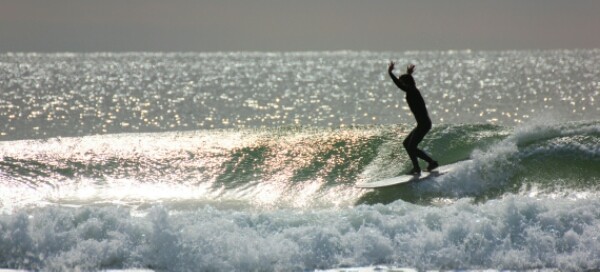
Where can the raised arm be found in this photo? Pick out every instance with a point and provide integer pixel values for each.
(396, 80)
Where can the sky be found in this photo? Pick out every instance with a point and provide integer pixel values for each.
(296, 25)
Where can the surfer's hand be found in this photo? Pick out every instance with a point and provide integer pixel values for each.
(391, 67)
(410, 69)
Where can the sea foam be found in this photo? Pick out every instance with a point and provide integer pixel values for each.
(513, 232)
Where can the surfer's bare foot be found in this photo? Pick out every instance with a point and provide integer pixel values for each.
(415, 171)
(432, 165)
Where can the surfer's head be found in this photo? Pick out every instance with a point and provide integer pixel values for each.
(408, 80)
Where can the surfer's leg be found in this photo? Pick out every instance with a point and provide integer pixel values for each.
(432, 165)
(419, 134)
(411, 149)
(422, 155)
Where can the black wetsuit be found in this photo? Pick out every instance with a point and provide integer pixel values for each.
(417, 106)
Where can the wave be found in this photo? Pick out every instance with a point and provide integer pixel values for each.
(307, 166)
(512, 233)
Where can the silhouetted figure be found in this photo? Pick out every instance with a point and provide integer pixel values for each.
(416, 104)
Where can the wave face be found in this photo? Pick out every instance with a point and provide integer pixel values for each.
(302, 166)
(249, 161)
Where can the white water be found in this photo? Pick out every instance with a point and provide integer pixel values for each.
(514, 232)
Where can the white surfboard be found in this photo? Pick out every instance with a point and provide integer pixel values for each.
(444, 169)
(379, 268)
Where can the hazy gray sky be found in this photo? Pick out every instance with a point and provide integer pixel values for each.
(296, 25)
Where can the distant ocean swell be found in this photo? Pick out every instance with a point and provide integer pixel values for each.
(65, 94)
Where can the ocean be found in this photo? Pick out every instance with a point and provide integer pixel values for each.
(248, 161)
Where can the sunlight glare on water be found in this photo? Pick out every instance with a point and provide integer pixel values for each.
(47, 95)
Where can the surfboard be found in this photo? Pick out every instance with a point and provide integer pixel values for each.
(379, 268)
(444, 169)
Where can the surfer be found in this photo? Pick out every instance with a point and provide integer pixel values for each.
(416, 104)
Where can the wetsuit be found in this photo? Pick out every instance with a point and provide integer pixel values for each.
(417, 106)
